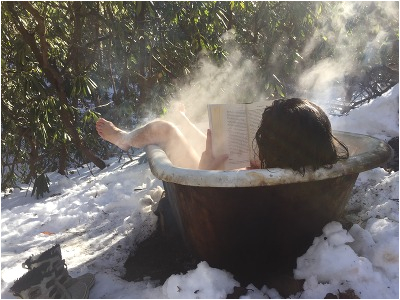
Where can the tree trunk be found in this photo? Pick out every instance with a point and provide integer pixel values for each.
(66, 118)
(52, 74)
(141, 18)
(33, 157)
(62, 163)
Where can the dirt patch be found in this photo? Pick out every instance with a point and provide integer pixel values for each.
(159, 257)
(164, 253)
(393, 163)
(348, 294)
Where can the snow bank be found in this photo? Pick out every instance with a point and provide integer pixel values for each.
(99, 216)
(378, 118)
(332, 264)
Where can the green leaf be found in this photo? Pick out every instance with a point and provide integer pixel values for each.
(279, 90)
(138, 7)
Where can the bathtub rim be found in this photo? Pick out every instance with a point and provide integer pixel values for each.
(377, 152)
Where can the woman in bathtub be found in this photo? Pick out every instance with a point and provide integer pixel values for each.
(294, 133)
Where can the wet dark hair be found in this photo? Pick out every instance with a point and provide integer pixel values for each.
(295, 133)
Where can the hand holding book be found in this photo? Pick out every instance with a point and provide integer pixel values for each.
(208, 161)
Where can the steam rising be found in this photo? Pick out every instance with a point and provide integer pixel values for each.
(353, 32)
(233, 82)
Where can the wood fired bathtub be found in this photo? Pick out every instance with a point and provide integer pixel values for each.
(253, 220)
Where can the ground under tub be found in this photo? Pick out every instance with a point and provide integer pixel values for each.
(250, 221)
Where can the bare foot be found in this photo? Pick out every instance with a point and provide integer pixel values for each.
(111, 133)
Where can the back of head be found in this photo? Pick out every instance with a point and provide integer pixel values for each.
(295, 133)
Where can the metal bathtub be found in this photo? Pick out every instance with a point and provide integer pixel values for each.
(251, 220)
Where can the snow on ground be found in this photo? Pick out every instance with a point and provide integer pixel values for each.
(97, 217)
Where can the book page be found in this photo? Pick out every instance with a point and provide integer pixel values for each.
(217, 120)
(230, 135)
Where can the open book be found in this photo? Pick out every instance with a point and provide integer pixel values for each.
(233, 128)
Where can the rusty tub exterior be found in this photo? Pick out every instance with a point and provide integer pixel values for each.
(252, 220)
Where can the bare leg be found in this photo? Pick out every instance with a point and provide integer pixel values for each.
(194, 135)
(161, 133)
